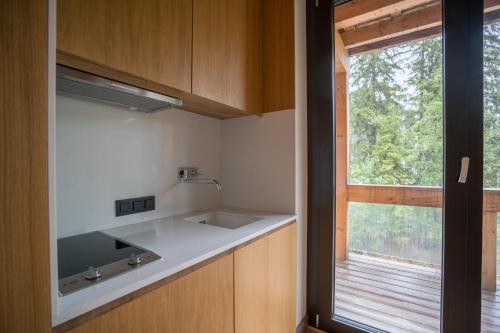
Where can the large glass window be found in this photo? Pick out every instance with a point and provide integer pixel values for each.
(389, 187)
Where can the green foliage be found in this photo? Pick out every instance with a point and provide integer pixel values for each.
(396, 138)
(492, 105)
(396, 127)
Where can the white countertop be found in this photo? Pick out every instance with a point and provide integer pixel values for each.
(180, 243)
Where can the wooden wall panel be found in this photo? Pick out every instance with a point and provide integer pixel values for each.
(265, 280)
(278, 80)
(200, 302)
(24, 241)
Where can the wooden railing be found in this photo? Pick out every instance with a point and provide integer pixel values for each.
(422, 197)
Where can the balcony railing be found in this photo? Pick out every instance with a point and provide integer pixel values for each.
(420, 197)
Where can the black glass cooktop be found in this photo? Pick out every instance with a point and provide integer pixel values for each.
(76, 254)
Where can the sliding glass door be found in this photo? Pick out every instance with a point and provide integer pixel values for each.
(395, 114)
(389, 174)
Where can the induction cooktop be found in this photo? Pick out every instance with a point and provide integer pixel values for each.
(87, 259)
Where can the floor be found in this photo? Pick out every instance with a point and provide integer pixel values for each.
(398, 297)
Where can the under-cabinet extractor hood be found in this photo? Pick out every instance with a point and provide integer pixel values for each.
(71, 82)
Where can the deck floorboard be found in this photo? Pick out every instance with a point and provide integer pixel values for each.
(398, 297)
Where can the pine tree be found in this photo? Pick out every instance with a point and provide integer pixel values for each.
(374, 120)
(492, 105)
(424, 135)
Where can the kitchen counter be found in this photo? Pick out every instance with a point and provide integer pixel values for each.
(181, 244)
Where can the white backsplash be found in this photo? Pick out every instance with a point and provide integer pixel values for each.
(258, 162)
(105, 153)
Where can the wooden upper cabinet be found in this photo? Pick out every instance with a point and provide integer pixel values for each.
(227, 57)
(151, 39)
(223, 58)
(278, 81)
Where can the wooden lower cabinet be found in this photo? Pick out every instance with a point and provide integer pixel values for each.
(264, 284)
(201, 301)
(249, 290)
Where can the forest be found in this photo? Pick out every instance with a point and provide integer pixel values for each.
(396, 138)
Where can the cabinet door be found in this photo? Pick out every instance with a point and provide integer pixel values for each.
(264, 284)
(151, 39)
(201, 301)
(227, 52)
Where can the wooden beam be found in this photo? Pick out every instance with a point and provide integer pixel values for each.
(359, 11)
(489, 16)
(422, 196)
(396, 195)
(341, 55)
(341, 93)
(489, 271)
(399, 40)
(399, 25)
(491, 201)
(491, 5)
(404, 28)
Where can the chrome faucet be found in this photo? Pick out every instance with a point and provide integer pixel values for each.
(190, 175)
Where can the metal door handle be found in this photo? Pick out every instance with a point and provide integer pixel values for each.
(464, 169)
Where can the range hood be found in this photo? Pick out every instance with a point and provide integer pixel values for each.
(74, 83)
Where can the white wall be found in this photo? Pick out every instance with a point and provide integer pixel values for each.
(301, 154)
(258, 162)
(105, 153)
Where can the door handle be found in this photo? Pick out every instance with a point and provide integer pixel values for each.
(464, 169)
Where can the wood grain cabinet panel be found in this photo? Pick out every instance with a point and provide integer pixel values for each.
(151, 39)
(200, 302)
(24, 224)
(227, 60)
(264, 284)
(278, 60)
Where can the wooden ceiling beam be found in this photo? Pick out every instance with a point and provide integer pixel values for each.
(341, 55)
(489, 16)
(360, 11)
(399, 40)
(406, 24)
(491, 5)
(396, 26)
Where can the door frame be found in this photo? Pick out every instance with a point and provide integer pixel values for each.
(463, 136)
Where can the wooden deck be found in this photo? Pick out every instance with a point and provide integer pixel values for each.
(398, 297)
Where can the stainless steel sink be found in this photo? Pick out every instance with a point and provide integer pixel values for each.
(223, 219)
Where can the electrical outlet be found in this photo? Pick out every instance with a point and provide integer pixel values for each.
(134, 205)
(187, 173)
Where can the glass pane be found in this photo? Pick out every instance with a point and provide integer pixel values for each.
(390, 231)
(491, 264)
(389, 158)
